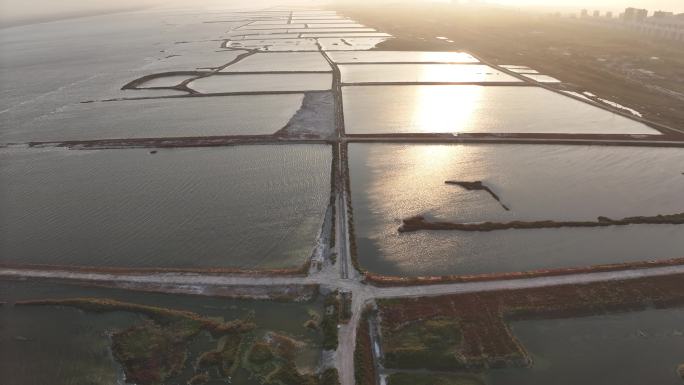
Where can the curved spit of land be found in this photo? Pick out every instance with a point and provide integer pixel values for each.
(419, 222)
(478, 186)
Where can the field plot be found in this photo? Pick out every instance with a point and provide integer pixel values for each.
(625, 332)
(238, 207)
(181, 117)
(422, 73)
(401, 57)
(101, 336)
(476, 109)
(393, 184)
(286, 61)
(261, 83)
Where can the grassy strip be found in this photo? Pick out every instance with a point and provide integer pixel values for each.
(433, 379)
(331, 318)
(330, 377)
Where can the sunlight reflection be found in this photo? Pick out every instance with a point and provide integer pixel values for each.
(412, 179)
(443, 109)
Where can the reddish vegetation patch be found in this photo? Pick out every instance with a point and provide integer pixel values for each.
(486, 339)
(418, 223)
(385, 280)
(364, 366)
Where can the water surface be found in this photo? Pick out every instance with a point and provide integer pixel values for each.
(427, 73)
(246, 207)
(285, 61)
(536, 182)
(401, 56)
(158, 118)
(262, 83)
(476, 109)
(618, 349)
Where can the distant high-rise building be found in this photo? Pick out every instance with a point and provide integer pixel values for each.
(609, 15)
(635, 14)
(662, 14)
(597, 13)
(584, 13)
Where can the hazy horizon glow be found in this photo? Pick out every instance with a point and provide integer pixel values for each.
(651, 5)
(13, 11)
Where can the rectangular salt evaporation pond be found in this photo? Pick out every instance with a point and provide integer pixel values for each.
(156, 118)
(285, 61)
(422, 73)
(619, 349)
(277, 45)
(347, 34)
(542, 78)
(239, 207)
(333, 25)
(262, 83)
(401, 56)
(350, 43)
(67, 345)
(476, 109)
(535, 182)
(274, 26)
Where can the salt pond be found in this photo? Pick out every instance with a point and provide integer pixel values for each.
(466, 108)
(285, 61)
(632, 348)
(393, 182)
(150, 118)
(236, 207)
(401, 56)
(425, 73)
(262, 83)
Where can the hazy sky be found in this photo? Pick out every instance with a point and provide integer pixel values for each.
(651, 5)
(17, 10)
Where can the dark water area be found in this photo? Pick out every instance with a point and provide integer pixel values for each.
(236, 207)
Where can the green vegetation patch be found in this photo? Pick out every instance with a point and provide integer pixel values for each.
(330, 377)
(331, 318)
(423, 344)
(272, 361)
(433, 379)
(156, 350)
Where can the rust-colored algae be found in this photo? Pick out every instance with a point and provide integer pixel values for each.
(418, 223)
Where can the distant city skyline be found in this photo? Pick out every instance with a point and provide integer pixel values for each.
(676, 6)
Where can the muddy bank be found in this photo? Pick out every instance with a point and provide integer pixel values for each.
(315, 117)
(418, 223)
(196, 141)
(485, 338)
(295, 272)
(288, 292)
